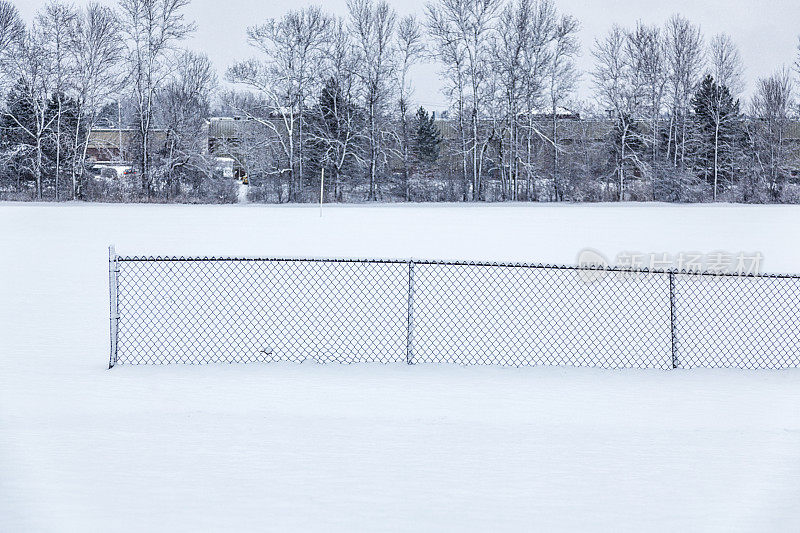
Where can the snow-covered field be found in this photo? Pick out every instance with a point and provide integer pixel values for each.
(366, 447)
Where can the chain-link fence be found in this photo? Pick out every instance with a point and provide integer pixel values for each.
(229, 310)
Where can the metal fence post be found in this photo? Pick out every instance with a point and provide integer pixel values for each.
(672, 317)
(113, 280)
(410, 321)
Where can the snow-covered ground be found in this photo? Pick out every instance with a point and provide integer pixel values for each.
(367, 447)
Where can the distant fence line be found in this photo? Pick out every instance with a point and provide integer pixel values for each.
(238, 310)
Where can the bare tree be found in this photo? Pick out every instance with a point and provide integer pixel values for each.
(257, 147)
(647, 51)
(183, 105)
(373, 25)
(619, 88)
(471, 23)
(797, 65)
(337, 126)
(797, 61)
(562, 76)
(410, 48)
(152, 30)
(56, 23)
(537, 74)
(270, 109)
(685, 60)
(725, 63)
(510, 54)
(772, 106)
(726, 69)
(96, 54)
(450, 52)
(28, 62)
(292, 47)
(11, 27)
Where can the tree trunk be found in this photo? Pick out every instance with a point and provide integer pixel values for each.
(300, 147)
(556, 188)
(653, 168)
(76, 154)
(82, 161)
(622, 164)
(404, 135)
(146, 187)
(39, 168)
(373, 155)
(475, 169)
(58, 144)
(716, 159)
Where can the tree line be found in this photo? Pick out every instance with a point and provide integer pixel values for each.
(330, 95)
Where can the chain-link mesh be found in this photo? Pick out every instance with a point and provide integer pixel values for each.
(517, 315)
(193, 310)
(737, 322)
(210, 311)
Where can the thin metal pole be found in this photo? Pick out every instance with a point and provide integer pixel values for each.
(113, 272)
(672, 318)
(410, 316)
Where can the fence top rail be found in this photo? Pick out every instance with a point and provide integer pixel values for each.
(540, 266)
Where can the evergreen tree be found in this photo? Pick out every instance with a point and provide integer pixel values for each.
(19, 115)
(16, 125)
(720, 130)
(334, 139)
(334, 108)
(427, 137)
(108, 116)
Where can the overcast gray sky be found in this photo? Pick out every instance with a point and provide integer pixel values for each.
(766, 32)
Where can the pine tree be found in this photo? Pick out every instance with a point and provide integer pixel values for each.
(720, 130)
(19, 115)
(16, 124)
(334, 139)
(427, 137)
